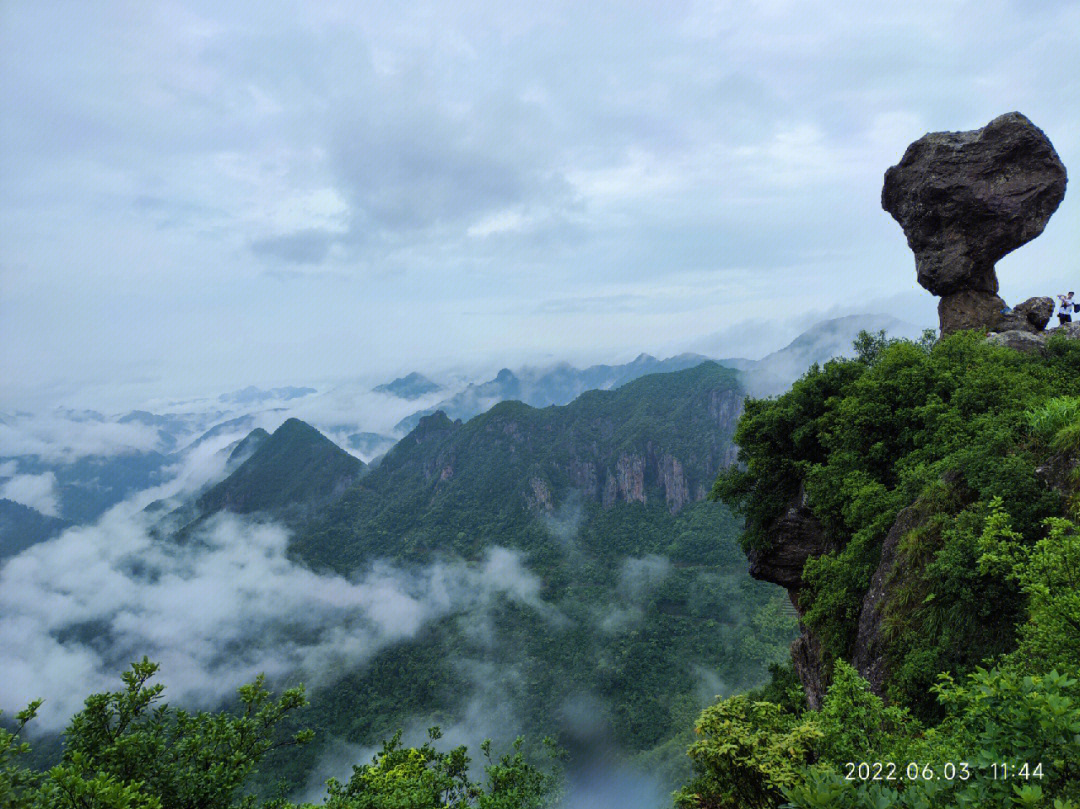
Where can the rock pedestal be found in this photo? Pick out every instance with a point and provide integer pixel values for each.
(964, 200)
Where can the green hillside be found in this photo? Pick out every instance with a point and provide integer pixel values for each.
(452, 487)
(597, 495)
(920, 502)
(292, 470)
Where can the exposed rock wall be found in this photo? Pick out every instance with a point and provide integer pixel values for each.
(793, 538)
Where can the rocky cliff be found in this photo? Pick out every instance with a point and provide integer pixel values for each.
(964, 200)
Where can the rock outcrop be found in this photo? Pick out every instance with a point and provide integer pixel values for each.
(1034, 313)
(964, 200)
(795, 536)
(1028, 342)
(869, 656)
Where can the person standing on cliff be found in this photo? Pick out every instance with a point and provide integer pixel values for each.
(1065, 308)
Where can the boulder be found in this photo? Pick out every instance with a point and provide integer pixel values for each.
(969, 309)
(964, 200)
(1035, 312)
(1023, 341)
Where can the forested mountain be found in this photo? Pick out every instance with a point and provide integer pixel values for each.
(557, 385)
(22, 526)
(617, 601)
(642, 605)
(918, 500)
(287, 473)
(658, 440)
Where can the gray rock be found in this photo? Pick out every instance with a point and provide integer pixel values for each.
(1023, 341)
(1028, 341)
(1031, 315)
(810, 668)
(965, 199)
(969, 309)
(869, 657)
(793, 537)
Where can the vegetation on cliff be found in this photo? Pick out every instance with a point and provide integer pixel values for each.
(129, 750)
(963, 455)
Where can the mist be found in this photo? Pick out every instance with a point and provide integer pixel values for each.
(215, 611)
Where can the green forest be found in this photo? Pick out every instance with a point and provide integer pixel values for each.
(957, 455)
(979, 634)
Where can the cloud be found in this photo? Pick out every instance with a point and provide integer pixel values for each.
(37, 491)
(66, 436)
(214, 611)
(637, 578)
(302, 247)
(440, 164)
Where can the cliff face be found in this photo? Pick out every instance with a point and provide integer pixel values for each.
(792, 539)
(658, 439)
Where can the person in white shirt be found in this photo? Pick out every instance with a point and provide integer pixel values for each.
(1066, 307)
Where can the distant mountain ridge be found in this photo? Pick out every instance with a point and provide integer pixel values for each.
(659, 439)
(412, 386)
(775, 372)
(558, 385)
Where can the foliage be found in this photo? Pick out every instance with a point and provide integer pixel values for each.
(1049, 575)
(646, 654)
(16, 780)
(1057, 423)
(425, 778)
(959, 452)
(128, 750)
(757, 755)
(946, 428)
(749, 752)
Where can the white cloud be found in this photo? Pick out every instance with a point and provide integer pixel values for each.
(164, 169)
(63, 436)
(37, 491)
(79, 608)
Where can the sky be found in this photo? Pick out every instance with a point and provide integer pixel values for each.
(195, 197)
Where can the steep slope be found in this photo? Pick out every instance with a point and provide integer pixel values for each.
(921, 505)
(658, 440)
(638, 603)
(296, 468)
(22, 526)
(247, 446)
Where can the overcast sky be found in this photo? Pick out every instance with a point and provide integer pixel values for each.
(199, 196)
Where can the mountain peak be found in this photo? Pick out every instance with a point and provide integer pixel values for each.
(294, 467)
(411, 386)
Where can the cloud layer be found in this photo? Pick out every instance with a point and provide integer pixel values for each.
(214, 611)
(200, 193)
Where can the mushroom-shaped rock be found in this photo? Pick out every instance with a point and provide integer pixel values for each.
(964, 200)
